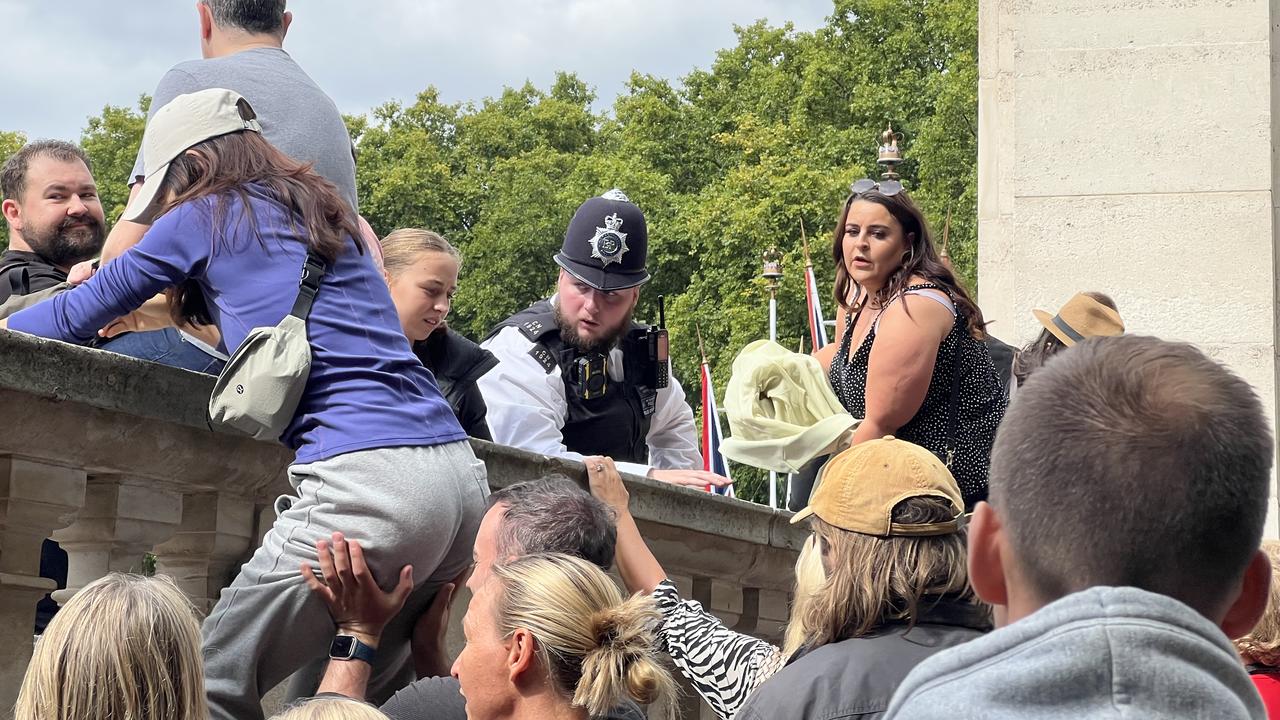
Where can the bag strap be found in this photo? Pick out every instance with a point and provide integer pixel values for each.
(312, 273)
(20, 281)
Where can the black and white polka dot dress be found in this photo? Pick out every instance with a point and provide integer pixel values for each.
(979, 409)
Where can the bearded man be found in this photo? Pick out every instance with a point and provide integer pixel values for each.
(54, 214)
(574, 374)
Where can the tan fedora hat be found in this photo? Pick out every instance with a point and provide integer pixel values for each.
(1082, 317)
(184, 122)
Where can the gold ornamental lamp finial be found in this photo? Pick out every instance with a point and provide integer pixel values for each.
(890, 154)
(772, 268)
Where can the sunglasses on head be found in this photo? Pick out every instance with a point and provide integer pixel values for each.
(888, 188)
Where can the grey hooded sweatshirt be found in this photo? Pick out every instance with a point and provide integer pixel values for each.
(1101, 653)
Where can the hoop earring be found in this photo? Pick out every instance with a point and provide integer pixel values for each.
(908, 260)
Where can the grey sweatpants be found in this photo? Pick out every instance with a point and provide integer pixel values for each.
(418, 506)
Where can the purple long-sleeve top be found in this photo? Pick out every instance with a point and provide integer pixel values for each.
(366, 390)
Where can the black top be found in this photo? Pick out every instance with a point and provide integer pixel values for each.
(22, 273)
(1002, 354)
(457, 363)
(980, 399)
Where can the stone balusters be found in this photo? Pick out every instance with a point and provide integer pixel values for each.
(123, 518)
(35, 499)
(215, 536)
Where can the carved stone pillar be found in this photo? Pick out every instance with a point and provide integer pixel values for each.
(35, 500)
(122, 519)
(203, 556)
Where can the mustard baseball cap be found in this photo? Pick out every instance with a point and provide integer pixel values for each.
(182, 123)
(858, 489)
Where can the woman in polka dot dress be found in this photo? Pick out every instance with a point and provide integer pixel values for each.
(910, 360)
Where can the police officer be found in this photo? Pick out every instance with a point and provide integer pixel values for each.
(576, 376)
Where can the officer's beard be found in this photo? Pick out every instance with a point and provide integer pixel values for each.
(603, 344)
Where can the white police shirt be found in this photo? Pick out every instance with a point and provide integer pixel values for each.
(527, 408)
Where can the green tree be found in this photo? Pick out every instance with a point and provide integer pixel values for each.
(112, 140)
(10, 143)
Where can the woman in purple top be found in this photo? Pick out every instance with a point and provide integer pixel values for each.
(379, 452)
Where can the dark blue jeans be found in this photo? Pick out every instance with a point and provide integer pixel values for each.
(166, 347)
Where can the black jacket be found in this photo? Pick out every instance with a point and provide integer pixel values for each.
(457, 364)
(855, 678)
(1002, 357)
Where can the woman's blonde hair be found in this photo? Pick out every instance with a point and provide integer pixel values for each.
(126, 646)
(595, 646)
(810, 577)
(870, 581)
(1262, 645)
(403, 246)
(330, 708)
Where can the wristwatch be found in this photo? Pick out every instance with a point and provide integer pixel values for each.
(348, 647)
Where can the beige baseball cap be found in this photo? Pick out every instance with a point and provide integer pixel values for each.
(858, 489)
(184, 122)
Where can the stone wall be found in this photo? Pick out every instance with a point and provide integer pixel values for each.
(1127, 146)
(112, 457)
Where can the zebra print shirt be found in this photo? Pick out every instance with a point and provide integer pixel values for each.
(724, 666)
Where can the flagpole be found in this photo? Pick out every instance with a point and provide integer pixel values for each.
(772, 273)
(708, 462)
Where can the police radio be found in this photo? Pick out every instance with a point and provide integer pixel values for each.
(660, 348)
(648, 350)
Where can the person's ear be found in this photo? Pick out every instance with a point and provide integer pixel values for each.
(521, 655)
(12, 213)
(206, 20)
(284, 25)
(1251, 602)
(986, 561)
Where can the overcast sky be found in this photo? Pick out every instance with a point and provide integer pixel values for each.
(66, 59)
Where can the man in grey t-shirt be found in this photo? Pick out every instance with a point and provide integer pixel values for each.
(241, 42)
(242, 47)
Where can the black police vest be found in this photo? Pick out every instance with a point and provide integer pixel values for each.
(614, 424)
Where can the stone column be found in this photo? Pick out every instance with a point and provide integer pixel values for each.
(35, 500)
(1129, 147)
(215, 536)
(123, 519)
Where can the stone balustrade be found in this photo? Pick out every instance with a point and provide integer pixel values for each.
(113, 458)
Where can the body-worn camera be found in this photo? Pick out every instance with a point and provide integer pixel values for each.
(592, 374)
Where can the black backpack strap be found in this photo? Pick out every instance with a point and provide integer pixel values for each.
(312, 273)
(19, 281)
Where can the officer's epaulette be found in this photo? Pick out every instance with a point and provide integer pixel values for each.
(532, 329)
(543, 356)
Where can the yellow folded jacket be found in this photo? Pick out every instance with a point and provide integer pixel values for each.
(782, 411)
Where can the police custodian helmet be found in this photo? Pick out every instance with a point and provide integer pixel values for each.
(607, 243)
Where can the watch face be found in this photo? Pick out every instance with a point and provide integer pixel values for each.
(343, 646)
